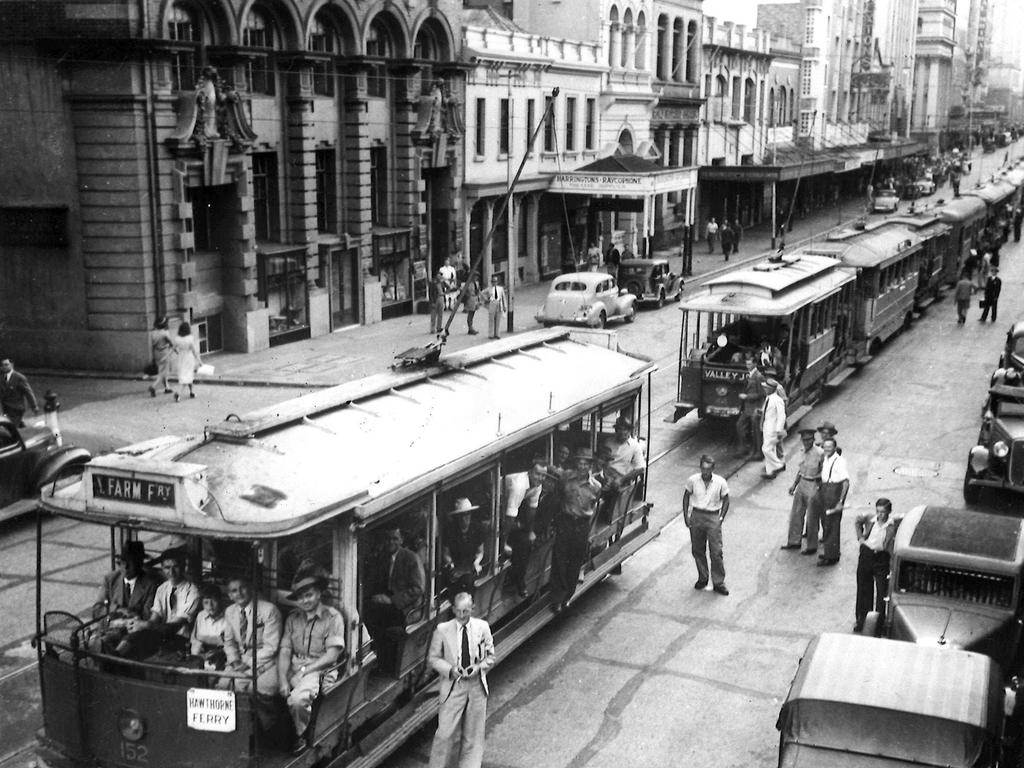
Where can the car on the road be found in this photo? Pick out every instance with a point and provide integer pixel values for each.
(886, 200)
(31, 458)
(586, 298)
(1013, 353)
(919, 188)
(865, 702)
(997, 458)
(652, 281)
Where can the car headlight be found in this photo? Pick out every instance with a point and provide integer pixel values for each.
(721, 391)
(1000, 449)
(585, 309)
(131, 725)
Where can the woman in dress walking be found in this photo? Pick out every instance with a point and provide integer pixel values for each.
(187, 347)
(162, 342)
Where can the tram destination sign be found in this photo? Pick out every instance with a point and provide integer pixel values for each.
(132, 490)
(210, 710)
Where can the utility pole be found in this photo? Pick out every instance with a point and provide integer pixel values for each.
(512, 240)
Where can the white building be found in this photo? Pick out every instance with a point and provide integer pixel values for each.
(933, 70)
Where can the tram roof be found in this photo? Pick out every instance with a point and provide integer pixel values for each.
(962, 208)
(877, 246)
(363, 445)
(993, 192)
(771, 288)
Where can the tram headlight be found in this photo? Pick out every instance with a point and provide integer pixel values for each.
(1000, 449)
(131, 725)
(721, 391)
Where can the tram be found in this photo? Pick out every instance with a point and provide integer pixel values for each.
(800, 303)
(966, 217)
(936, 239)
(325, 478)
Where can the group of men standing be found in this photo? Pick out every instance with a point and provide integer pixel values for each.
(451, 287)
(729, 235)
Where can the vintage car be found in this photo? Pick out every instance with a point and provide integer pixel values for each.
(1013, 353)
(652, 281)
(29, 459)
(997, 459)
(887, 200)
(586, 298)
(919, 188)
(865, 702)
(955, 582)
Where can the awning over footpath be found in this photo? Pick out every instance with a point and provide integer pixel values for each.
(789, 161)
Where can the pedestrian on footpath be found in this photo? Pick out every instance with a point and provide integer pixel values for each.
(496, 307)
(611, 263)
(835, 485)
(804, 514)
(709, 494)
(993, 287)
(15, 393)
(187, 348)
(435, 296)
(1018, 217)
(725, 233)
(461, 652)
(711, 234)
(162, 344)
(471, 301)
(875, 534)
(984, 267)
(737, 235)
(962, 294)
(773, 428)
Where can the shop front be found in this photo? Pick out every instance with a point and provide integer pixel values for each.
(402, 270)
(283, 288)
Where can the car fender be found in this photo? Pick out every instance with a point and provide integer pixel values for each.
(978, 459)
(54, 462)
(625, 303)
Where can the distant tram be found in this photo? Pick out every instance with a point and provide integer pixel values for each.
(322, 478)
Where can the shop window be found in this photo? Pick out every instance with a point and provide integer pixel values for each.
(265, 196)
(378, 185)
(570, 124)
(209, 331)
(392, 259)
(282, 285)
(322, 40)
(258, 33)
(326, 191)
(183, 27)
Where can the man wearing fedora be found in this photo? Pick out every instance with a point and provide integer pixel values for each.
(773, 428)
(580, 493)
(826, 429)
(463, 552)
(312, 642)
(461, 651)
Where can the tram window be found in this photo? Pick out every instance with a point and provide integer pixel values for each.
(569, 437)
(313, 545)
(467, 533)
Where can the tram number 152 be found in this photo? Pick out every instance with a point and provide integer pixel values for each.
(134, 753)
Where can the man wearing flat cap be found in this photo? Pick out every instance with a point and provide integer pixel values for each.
(806, 511)
(773, 428)
(312, 642)
(580, 493)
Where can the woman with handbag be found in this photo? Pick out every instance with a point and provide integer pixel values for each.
(187, 347)
(162, 344)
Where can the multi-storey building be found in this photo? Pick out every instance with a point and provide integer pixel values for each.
(894, 44)
(267, 170)
(933, 71)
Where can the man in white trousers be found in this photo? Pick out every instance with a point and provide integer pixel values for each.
(773, 428)
(497, 306)
(461, 652)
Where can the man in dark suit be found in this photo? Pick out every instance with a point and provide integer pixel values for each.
(396, 585)
(129, 592)
(15, 393)
(993, 287)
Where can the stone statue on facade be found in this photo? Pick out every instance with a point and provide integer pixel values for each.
(438, 120)
(212, 111)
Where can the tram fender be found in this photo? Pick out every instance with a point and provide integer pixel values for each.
(50, 466)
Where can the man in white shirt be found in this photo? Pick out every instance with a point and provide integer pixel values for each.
(875, 532)
(497, 306)
(627, 460)
(835, 484)
(709, 494)
(170, 619)
(773, 428)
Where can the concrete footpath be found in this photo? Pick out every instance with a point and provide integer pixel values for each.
(364, 350)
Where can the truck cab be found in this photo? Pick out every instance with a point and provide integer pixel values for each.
(997, 459)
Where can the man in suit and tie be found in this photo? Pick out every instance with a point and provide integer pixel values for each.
(497, 306)
(396, 587)
(250, 620)
(16, 394)
(461, 652)
(127, 595)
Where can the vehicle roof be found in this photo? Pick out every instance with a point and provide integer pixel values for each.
(366, 444)
(962, 536)
(994, 191)
(642, 262)
(771, 288)
(877, 246)
(897, 676)
(589, 279)
(962, 208)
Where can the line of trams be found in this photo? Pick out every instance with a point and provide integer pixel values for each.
(324, 477)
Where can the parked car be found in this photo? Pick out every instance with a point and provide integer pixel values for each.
(1013, 353)
(887, 200)
(997, 459)
(652, 281)
(586, 298)
(29, 459)
(865, 702)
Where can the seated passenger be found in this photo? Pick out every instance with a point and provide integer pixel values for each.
(463, 555)
(207, 639)
(395, 583)
(127, 594)
(251, 623)
(311, 646)
(169, 625)
(769, 358)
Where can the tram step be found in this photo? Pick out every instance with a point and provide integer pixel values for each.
(399, 727)
(863, 360)
(794, 418)
(839, 378)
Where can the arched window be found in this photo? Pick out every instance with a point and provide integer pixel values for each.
(749, 101)
(614, 37)
(782, 106)
(431, 45)
(692, 52)
(260, 34)
(626, 143)
(183, 26)
(379, 45)
(628, 39)
(662, 54)
(323, 39)
(678, 51)
(721, 95)
(640, 60)
(771, 108)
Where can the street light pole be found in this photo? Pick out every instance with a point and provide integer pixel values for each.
(510, 239)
